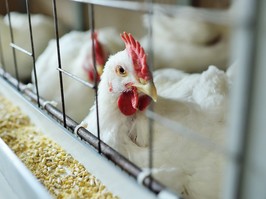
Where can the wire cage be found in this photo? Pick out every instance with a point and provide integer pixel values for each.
(244, 174)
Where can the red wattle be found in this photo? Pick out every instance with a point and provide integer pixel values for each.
(129, 102)
(144, 102)
(126, 103)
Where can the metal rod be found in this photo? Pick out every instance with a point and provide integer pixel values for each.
(150, 62)
(245, 48)
(253, 177)
(12, 41)
(59, 61)
(189, 134)
(1, 54)
(33, 53)
(210, 15)
(82, 16)
(77, 78)
(20, 49)
(92, 25)
(129, 5)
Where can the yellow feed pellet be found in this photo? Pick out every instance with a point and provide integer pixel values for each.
(58, 171)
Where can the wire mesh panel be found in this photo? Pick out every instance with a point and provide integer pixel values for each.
(180, 56)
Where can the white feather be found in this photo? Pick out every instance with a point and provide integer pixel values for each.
(208, 89)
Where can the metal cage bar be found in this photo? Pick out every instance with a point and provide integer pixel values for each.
(92, 26)
(1, 54)
(209, 15)
(150, 62)
(59, 61)
(33, 53)
(247, 131)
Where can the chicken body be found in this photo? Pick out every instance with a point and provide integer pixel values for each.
(43, 31)
(187, 43)
(76, 58)
(209, 89)
(182, 164)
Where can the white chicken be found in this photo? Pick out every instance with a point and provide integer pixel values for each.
(209, 89)
(187, 43)
(43, 31)
(125, 91)
(76, 58)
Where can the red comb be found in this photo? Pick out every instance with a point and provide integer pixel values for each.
(99, 53)
(137, 53)
(100, 58)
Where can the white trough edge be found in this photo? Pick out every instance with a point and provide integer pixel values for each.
(117, 181)
(20, 179)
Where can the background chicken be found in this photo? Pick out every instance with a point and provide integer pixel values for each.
(209, 89)
(76, 58)
(125, 91)
(187, 42)
(43, 31)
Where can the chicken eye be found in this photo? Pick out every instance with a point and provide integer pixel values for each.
(121, 71)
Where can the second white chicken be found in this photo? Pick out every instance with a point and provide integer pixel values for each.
(186, 42)
(77, 59)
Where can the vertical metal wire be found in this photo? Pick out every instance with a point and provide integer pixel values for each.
(2, 55)
(82, 16)
(33, 53)
(253, 178)
(92, 25)
(150, 61)
(59, 62)
(244, 50)
(12, 41)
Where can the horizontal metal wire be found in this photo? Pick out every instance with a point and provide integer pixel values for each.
(76, 78)
(128, 5)
(20, 49)
(210, 15)
(176, 127)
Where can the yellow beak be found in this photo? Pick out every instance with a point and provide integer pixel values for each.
(99, 69)
(147, 88)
